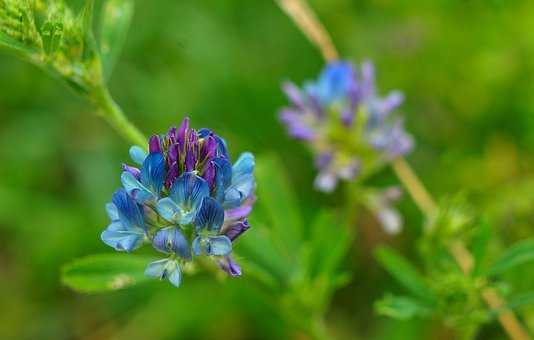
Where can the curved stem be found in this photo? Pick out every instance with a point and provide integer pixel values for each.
(308, 23)
(113, 114)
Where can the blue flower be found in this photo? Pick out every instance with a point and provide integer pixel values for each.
(170, 240)
(127, 229)
(152, 177)
(185, 198)
(208, 224)
(165, 269)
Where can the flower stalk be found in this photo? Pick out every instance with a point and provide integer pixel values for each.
(306, 20)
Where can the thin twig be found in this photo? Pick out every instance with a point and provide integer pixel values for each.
(303, 16)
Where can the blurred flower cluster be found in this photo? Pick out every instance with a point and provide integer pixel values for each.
(350, 129)
(186, 199)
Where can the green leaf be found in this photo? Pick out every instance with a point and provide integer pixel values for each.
(278, 201)
(105, 272)
(404, 272)
(401, 307)
(330, 241)
(516, 255)
(258, 247)
(480, 245)
(116, 18)
(520, 301)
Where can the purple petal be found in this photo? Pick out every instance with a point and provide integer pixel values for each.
(154, 144)
(172, 135)
(172, 174)
(209, 174)
(209, 148)
(133, 170)
(182, 131)
(293, 93)
(230, 266)
(323, 160)
(235, 230)
(238, 213)
(174, 153)
(295, 123)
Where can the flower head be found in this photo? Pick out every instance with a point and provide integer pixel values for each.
(349, 128)
(186, 198)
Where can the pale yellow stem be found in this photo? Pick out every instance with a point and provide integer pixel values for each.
(304, 17)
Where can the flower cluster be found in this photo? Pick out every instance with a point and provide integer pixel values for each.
(350, 129)
(186, 199)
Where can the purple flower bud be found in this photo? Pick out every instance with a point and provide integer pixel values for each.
(133, 170)
(230, 266)
(191, 158)
(209, 148)
(154, 144)
(209, 174)
(172, 135)
(174, 153)
(182, 131)
(172, 174)
(235, 230)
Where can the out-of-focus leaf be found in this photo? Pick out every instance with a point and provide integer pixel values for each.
(277, 199)
(404, 272)
(105, 272)
(116, 18)
(330, 240)
(257, 246)
(516, 255)
(401, 307)
(480, 245)
(519, 301)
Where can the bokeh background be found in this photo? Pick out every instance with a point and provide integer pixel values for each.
(466, 68)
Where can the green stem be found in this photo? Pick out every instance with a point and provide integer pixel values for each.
(113, 114)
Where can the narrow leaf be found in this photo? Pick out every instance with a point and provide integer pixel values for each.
(116, 18)
(514, 256)
(480, 245)
(404, 272)
(277, 200)
(330, 240)
(105, 272)
(401, 307)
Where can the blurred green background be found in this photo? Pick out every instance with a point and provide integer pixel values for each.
(466, 68)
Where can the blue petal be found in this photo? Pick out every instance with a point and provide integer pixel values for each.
(334, 82)
(112, 211)
(210, 216)
(165, 269)
(171, 241)
(198, 246)
(156, 269)
(244, 165)
(223, 177)
(188, 192)
(169, 210)
(121, 238)
(129, 213)
(175, 277)
(243, 182)
(219, 245)
(137, 154)
(153, 172)
(135, 188)
(222, 150)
